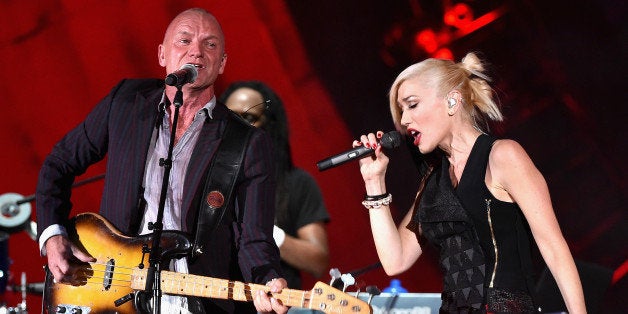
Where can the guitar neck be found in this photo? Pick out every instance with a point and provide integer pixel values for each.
(200, 286)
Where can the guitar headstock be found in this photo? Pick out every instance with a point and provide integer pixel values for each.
(328, 299)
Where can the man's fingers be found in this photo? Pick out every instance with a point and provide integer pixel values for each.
(262, 303)
(82, 256)
(59, 267)
(56, 273)
(277, 284)
(278, 307)
(60, 273)
(65, 260)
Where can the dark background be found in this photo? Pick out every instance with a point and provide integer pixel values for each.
(558, 68)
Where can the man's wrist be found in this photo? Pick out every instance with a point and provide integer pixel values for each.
(48, 233)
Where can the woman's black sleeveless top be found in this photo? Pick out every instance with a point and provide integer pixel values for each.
(464, 224)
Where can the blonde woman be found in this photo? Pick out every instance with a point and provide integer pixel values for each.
(480, 197)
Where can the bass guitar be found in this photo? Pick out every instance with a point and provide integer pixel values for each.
(102, 286)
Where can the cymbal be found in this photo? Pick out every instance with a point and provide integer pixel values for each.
(15, 214)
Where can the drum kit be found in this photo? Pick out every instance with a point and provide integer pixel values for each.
(15, 213)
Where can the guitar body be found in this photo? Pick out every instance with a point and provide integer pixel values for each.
(108, 279)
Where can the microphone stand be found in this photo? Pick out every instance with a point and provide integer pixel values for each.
(154, 269)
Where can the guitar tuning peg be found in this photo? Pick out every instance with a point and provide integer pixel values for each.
(372, 291)
(347, 280)
(359, 285)
(335, 274)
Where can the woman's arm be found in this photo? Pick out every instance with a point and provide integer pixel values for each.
(397, 247)
(514, 172)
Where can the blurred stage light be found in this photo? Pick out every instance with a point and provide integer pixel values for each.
(458, 15)
(422, 36)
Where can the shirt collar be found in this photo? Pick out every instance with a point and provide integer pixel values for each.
(207, 110)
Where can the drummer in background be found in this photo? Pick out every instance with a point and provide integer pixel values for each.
(301, 215)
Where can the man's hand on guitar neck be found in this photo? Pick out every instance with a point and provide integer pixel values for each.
(65, 259)
(266, 304)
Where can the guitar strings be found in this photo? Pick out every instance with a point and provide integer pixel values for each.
(210, 290)
(230, 285)
(233, 289)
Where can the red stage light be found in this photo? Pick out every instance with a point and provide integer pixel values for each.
(443, 53)
(427, 40)
(459, 16)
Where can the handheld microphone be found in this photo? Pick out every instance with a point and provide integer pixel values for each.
(186, 74)
(389, 140)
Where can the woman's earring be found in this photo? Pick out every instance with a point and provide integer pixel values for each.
(452, 102)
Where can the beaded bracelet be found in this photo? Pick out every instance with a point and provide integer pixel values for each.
(372, 204)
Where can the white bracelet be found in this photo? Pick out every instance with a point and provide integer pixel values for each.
(378, 203)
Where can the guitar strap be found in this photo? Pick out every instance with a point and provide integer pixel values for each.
(221, 177)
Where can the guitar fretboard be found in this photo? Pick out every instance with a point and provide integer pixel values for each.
(200, 286)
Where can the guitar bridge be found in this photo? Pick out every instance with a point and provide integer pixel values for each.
(108, 277)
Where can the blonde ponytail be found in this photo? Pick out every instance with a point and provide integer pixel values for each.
(481, 93)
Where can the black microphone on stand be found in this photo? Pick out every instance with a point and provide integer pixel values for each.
(389, 140)
(186, 74)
